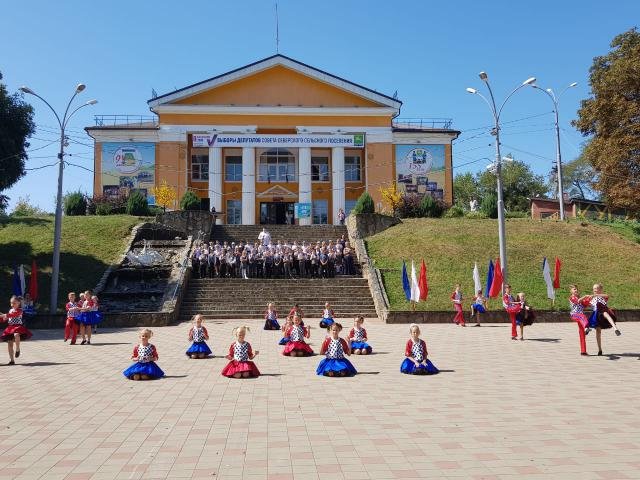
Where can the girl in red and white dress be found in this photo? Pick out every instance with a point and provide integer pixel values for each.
(576, 305)
(144, 356)
(296, 346)
(89, 316)
(358, 338)
(416, 361)
(478, 306)
(240, 356)
(525, 316)
(328, 316)
(15, 330)
(456, 298)
(198, 335)
(513, 307)
(271, 318)
(71, 325)
(335, 348)
(602, 316)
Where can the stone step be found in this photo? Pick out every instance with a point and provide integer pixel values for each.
(284, 307)
(346, 317)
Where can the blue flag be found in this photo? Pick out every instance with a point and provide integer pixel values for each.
(489, 278)
(406, 286)
(17, 290)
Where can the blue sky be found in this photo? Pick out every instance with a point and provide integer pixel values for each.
(428, 51)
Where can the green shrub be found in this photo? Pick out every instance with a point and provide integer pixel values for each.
(454, 212)
(137, 204)
(517, 214)
(74, 204)
(430, 207)
(24, 208)
(489, 205)
(476, 214)
(364, 204)
(104, 209)
(190, 201)
(103, 205)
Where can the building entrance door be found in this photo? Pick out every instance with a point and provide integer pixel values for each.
(276, 213)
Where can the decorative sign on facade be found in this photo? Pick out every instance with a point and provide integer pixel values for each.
(303, 210)
(277, 141)
(420, 169)
(127, 167)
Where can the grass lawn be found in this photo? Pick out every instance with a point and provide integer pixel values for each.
(590, 253)
(89, 245)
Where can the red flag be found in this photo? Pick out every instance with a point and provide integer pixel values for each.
(496, 284)
(422, 282)
(33, 281)
(556, 274)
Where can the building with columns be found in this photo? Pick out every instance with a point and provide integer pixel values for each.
(276, 141)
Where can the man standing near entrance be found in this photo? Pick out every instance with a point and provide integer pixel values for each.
(265, 237)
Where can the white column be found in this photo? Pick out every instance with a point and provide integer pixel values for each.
(248, 186)
(215, 180)
(337, 181)
(304, 179)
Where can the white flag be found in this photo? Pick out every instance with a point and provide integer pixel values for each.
(415, 288)
(477, 284)
(22, 283)
(546, 273)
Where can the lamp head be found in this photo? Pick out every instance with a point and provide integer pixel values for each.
(92, 102)
(483, 76)
(573, 84)
(25, 89)
(472, 90)
(529, 81)
(80, 87)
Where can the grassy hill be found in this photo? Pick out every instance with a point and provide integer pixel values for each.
(89, 245)
(590, 253)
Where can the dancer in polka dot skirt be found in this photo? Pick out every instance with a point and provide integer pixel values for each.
(271, 318)
(240, 356)
(358, 338)
(198, 335)
(335, 348)
(145, 356)
(416, 362)
(576, 305)
(512, 307)
(15, 331)
(297, 347)
(328, 316)
(602, 317)
(288, 323)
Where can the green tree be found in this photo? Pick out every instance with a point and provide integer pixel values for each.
(364, 204)
(519, 184)
(579, 178)
(465, 189)
(611, 117)
(16, 125)
(137, 204)
(190, 201)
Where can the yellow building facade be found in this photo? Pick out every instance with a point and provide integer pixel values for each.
(276, 141)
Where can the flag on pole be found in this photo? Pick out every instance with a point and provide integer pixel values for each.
(16, 282)
(23, 285)
(422, 282)
(405, 282)
(546, 273)
(489, 278)
(477, 284)
(33, 281)
(496, 284)
(415, 288)
(556, 274)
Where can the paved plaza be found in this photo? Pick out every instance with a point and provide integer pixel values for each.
(500, 409)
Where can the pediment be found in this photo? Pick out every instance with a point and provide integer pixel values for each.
(277, 191)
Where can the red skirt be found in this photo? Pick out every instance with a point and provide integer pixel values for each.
(297, 347)
(8, 333)
(234, 366)
(513, 309)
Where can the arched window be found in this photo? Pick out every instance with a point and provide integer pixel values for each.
(277, 165)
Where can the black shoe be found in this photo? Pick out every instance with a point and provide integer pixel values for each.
(599, 352)
(587, 330)
(585, 354)
(83, 342)
(88, 342)
(17, 353)
(11, 363)
(618, 332)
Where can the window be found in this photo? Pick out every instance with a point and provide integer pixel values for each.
(199, 167)
(234, 212)
(320, 212)
(319, 169)
(352, 168)
(277, 165)
(348, 206)
(233, 169)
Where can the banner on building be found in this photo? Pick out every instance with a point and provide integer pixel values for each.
(420, 169)
(277, 141)
(127, 167)
(302, 210)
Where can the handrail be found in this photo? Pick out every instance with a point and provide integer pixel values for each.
(423, 123)
(125, 120)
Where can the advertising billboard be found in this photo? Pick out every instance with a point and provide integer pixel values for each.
(420, 169)
(127, 167)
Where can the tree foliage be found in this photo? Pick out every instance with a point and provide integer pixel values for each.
(364, 204)
(579, 178)
(74, 203)
(137, 204)
(391, 197)
(16, 126)
(611, 117)
(190, 201)
(165, 195)
(465, 189)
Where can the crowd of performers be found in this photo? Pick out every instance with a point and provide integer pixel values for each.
(83, 315)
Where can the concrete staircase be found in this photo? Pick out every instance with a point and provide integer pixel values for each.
(299, 233)
(226, 298)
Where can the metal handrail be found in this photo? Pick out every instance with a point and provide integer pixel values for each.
(125, 119)
(435, 122)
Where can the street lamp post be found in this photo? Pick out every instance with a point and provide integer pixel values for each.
(55, 271)
(498, 163)
(555, 101)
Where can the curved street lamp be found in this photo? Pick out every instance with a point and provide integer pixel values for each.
(556, 99)
(55, 264)
(498, 162)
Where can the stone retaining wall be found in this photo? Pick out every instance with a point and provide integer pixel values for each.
(190, 222)
(364, 225)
